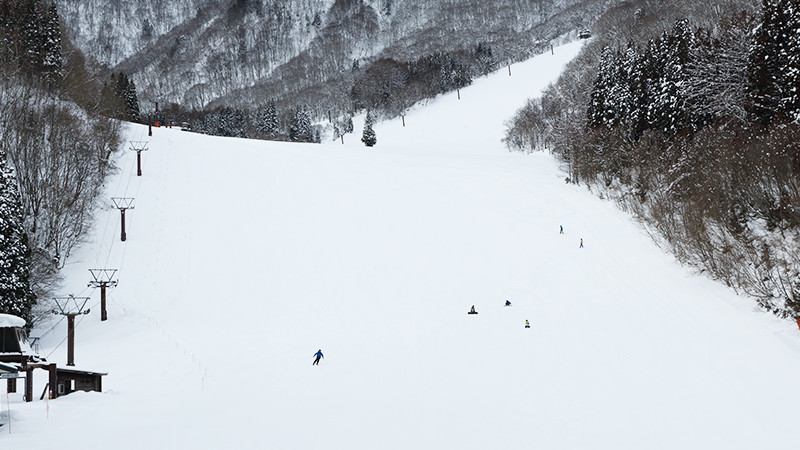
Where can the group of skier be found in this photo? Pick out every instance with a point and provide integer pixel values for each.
(472, 310)
(508, 303)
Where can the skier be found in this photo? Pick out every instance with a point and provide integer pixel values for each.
(508, 303)
(581, 243)
(527, 324)
(318, 355)
(562, 229)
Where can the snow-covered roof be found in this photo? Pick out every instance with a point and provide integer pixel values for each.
(7, 321)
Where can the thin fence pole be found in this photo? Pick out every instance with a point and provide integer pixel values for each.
(8, 406)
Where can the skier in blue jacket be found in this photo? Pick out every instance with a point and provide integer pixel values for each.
(318, 355)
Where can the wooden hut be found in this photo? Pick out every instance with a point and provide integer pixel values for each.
(71, 380)
(17, 358)
(14, 346)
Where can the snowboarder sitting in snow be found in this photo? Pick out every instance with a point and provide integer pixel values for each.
(318, 355)
(472, 310)
(527, 324)
(508, 303)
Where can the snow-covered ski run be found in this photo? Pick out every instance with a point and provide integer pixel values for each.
(244, 257)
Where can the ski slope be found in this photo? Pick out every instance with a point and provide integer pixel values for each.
(243, 258)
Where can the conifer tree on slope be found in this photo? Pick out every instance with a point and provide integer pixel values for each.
(132, 102)
(774, 66)
(609, 96)
(16, 296)
(30, 37)
(126, 90)
(667, 109)
(51, 56)
(368, 138)
(300, 129)
(790, 102)
(268, 120)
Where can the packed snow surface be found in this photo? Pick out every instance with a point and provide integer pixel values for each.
(243, 258)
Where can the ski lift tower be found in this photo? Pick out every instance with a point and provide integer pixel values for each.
(103, 278)
(123, 204)
(71, 306)
(139, 147)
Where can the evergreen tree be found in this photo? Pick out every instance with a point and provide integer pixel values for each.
(31, 37)
(368, 138)
(641, 79)
(300, 129)
(667, 109)
(127, 103)
(51, 58)
(268, 120)
(452, 75)
(484, 59)
(7, 55)
(16, 296)
(225, 121)
(348, 124)
(790, 73)
(774, 63)
(131, 102)
(609, 97)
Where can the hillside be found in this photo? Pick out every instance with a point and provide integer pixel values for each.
(244, 257)
(245, 52)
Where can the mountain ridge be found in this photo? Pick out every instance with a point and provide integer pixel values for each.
(202, 52)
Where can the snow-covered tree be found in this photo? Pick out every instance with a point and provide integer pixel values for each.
(789, 103)
(348, 124)
(131, 101)
(6, 37)
(715, 85)
(368, 138)
(51, 58)
(774, 64)
(225, 122)
(119, 98)
(484, 58)
(300, 128)
(641, 77)
(667, 110)
(267, 122)
(16, 296)
(30, 37)
(610, 101)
